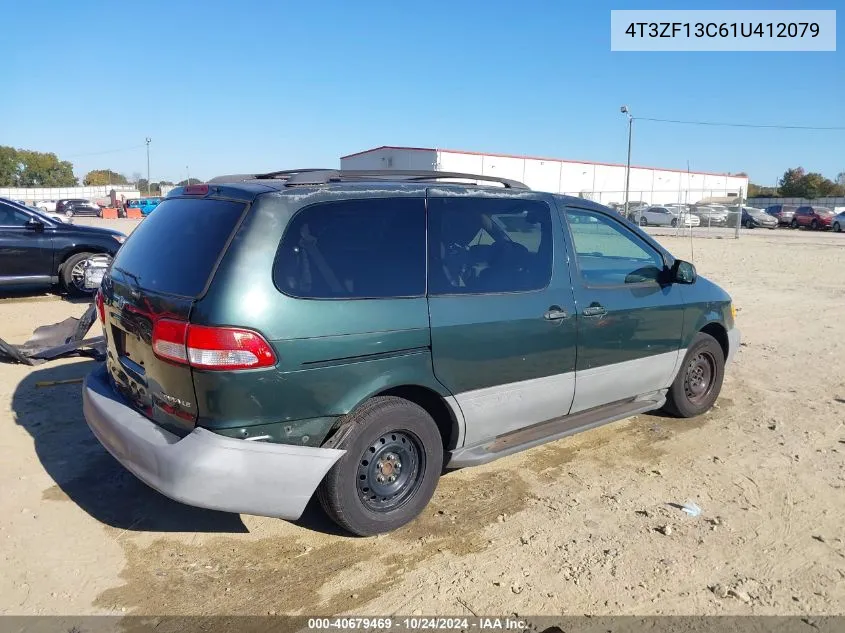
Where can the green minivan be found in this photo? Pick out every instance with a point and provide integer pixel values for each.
(357, 333)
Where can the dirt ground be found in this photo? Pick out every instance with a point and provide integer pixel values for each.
(583, 525)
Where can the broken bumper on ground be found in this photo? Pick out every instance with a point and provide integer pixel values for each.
(205, 469)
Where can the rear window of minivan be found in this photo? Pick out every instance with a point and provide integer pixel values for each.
(175, 249)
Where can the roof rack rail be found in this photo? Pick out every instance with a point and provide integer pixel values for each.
(323, 176)
(272, 174)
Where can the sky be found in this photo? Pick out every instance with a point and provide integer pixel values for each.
(234, 87)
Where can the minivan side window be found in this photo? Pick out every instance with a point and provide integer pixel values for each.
(608, 254)
(489, 245)
(370, 248)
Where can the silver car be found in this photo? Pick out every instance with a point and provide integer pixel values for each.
(712, 214)
(838, 222)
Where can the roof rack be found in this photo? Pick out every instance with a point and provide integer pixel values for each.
(325, 176)
(272, 174)
(318, 177)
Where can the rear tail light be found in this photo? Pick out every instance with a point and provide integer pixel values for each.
(196, 190)
(101, 306)
(169, 338)
(214, 348)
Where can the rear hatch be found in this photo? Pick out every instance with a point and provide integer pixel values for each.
(146, 301)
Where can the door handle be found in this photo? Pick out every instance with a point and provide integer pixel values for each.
(555, 313)
(594, 310)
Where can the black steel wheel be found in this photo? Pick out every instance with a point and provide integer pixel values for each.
(814, 225)
(389, 470)
(393, 461)
(699, 381)
(699, 376)
(794, 223)
(674, 222)
(837, 227)
(643, 221)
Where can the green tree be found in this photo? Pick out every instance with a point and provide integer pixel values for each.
(791, 184)
(840, 179)
(27, 168)
(97, 177)
(10, 167)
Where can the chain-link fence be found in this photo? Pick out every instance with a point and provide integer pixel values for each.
(700, 212)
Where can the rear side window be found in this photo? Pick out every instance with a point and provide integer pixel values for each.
(175, 249)
(489, 245)
(354, 249)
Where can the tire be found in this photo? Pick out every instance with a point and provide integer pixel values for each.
(69, 213)
(837, 227)
(393, 431)
(71, 281)
(749, 224)
(794, 224)
(674, 222)
(814, 225)
(643, 221)
(699, 380)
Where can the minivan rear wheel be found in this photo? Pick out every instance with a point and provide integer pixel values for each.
(699, 380)
(393, 460)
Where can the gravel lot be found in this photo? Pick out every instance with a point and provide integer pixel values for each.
(583, 525)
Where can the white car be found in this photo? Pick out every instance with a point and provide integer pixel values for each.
(46, 205)
(664, 216)
(53, 216)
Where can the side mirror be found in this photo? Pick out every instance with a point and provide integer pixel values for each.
(34, 225)
(683, 272)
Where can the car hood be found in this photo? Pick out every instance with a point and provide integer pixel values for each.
(759, 215)
(88, 230)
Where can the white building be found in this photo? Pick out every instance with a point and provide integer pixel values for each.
(602, 182)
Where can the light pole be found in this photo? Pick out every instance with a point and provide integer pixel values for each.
(188, 171)
(624, 110)
(148, 164)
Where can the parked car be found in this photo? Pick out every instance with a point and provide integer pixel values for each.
(753, 218)
(81, 207)
(53, 216)
(144, 205)
(712, 214)
(837, 223)
(231, 384)
(664, 216)
(36, 250)
(812, 217)
(46, 205)
(782, 212)
(62, 206)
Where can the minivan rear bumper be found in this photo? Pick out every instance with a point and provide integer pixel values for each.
(205, 469)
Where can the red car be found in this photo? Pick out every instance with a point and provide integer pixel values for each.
(812, 217)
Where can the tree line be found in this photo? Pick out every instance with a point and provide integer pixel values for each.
(797, 183)
(28, 168)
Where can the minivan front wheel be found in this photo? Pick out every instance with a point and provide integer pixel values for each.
(699, 380)
(393, 460)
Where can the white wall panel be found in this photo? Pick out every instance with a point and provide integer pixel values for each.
(542, 175)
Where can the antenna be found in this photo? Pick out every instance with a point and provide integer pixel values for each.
(691, 243)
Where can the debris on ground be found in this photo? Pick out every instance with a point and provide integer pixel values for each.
(49, 342)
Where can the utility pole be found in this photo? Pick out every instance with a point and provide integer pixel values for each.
(148, 165)
(188, 171)
(624, 110)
